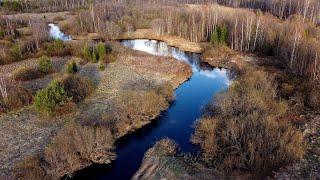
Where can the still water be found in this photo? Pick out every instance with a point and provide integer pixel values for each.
(175, 123)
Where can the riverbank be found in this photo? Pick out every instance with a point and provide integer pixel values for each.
(32, 133)
(298, 115)
(176, 122)
(174, 41)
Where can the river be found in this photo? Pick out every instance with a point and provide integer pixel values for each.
(176, 123)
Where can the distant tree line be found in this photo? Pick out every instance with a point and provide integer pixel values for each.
(294, 40)
(44, 5)
(308, 9)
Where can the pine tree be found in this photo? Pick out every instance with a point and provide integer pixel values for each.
(101, 49)
(86, 52)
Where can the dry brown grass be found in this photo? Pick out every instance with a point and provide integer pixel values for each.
(135, 108)
(246, 129)
(27, 74)
(57, 48)
(169, 68)
(166, 147)
(218, 55)
(76, 147)
(311, 94)
(298, 90)
(31, 169)
(17, 97)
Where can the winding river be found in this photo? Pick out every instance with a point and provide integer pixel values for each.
(175, 123)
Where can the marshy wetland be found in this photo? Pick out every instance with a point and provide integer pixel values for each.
(176, 122)
(179, 89)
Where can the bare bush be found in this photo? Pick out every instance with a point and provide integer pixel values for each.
(246, 129)
(166, 147)
(311, 94)
(134, 108)
(57, 48)
(30, 168)
(39, 31)
(13, 96)
(3, 90)
(26, 74)
(77, 87)
(76, 147)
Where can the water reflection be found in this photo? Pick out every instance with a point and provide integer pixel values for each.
(176, 123)
(56, 33)
(162, 49)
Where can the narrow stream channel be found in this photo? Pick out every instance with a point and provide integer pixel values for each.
(175, 123)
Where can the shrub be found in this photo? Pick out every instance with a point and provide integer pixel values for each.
(166, 91)
(314, 98)
(76, 48)
(16, 97)
(166, 147)
(16, 52)
(86, 52)
(77, 87)
(94, 53)
(26, 74)
(57, 48)
(76, 146)
(111, 57)
(12, 5)
(2, 34)
(30, 168)
(311, 94)
(108, 48)
(45, 64)
(48, 99)
(134, 108)
(101, 49)
(72, 67)
(102, 66)
(245, 129)
(94, 56)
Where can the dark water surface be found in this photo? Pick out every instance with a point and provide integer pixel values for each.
(176, 123)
